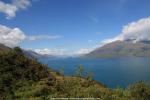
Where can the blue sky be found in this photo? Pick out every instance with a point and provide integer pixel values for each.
(78, 23)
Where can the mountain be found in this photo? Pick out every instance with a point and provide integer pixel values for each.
(31, 54)
(122, 49)
(40, 57)
(28, 53)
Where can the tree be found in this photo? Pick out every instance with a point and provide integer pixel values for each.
(61, 71)
(79, 71)
(89, 76)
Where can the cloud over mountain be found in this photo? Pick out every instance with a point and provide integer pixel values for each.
(11, 9)
(134, 31)
(83, 51)
(54, 52)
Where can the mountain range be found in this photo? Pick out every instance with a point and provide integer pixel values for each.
(122, 49)
(113, 49)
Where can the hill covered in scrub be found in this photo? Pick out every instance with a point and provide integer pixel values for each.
(23, 78)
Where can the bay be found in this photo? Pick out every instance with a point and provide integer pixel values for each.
(113, 72)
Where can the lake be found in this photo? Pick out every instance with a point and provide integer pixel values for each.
(112, 72)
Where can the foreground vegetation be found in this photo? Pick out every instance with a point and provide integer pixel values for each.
(22, 78)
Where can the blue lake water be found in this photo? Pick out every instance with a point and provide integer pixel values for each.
(112, 72)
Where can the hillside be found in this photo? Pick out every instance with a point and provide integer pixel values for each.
(4, 48)
(22, 78)
(17, 71)
(122, 49)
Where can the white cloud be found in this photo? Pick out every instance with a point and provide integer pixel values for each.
(22, 4)
(11, 9)
(62, 52)
(42, 37)
(11, 36)
(83, 51)
(54, 52)
(134, 31)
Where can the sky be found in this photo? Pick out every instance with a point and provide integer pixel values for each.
(68, 27)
